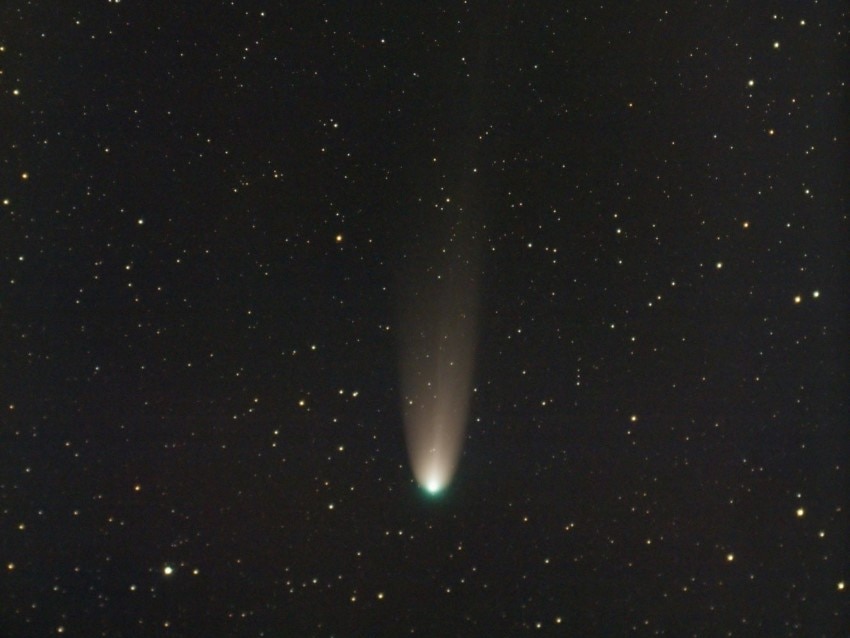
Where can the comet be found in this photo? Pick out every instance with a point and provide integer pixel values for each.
(438, 341)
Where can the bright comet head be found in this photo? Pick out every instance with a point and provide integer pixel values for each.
(433, 487)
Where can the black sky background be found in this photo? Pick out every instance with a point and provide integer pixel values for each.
(201, 430)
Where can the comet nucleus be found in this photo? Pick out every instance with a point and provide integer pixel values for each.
(438, 338)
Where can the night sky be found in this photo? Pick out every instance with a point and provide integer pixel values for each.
(215, 218)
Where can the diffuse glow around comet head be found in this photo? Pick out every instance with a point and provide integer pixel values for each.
(434, 486)
(438, 337)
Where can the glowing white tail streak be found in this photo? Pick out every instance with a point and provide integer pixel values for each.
(438, 334)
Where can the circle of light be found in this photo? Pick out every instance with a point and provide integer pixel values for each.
(433, 486)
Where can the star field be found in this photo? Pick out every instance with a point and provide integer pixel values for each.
(208, 219)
